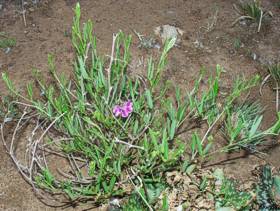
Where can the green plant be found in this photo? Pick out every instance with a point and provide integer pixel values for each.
(241, 127)
(6, 42)
(252, 11)
(101, 143)
(133, 204)
(230, 196)
(268, 187)
(237, 43)
(205, 107)
(274, 73)
(262, 195)
(146, 42)
(118, 132)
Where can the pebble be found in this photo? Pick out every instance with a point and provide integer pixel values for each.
(198, 44)
(167, 32)
(243, 22)
(8, 119)
(115, 202)
(254, 56)
(7, 50)
(231, 51)
(179, 208)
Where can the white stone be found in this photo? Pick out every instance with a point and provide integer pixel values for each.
(166, 32)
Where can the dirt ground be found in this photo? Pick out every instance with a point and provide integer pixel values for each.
(49, 25)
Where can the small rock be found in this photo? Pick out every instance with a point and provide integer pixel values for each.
(170, 12)
(114, 205)
(243, 22)
(115, 202)
(198, 44)
(166, 32)
(7, 50)
(8, 119)
(179, 208)
(231, 51)
(254, 56)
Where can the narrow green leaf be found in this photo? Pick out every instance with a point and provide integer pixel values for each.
(135, 127)
(255, 126)
(173, 129)
(149, 99)
(178, 96)
(190, 169)
(112, 183)
(207, 148)
(199, 145)
(276, 184)
(169, 44)
(105, 187)
(165, 206)
(193, 144)
(165, 148)
(30, 90)
(82, 68)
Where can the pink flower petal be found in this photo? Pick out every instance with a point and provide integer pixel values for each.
(128, 106)
(123, 110)
(127, 109)
(117, 110)
(124, 114)
(128, 103)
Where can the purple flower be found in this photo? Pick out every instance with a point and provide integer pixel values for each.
(117, 110)
(123, 110)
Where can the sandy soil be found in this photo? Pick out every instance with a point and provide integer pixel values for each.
(49, 24)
